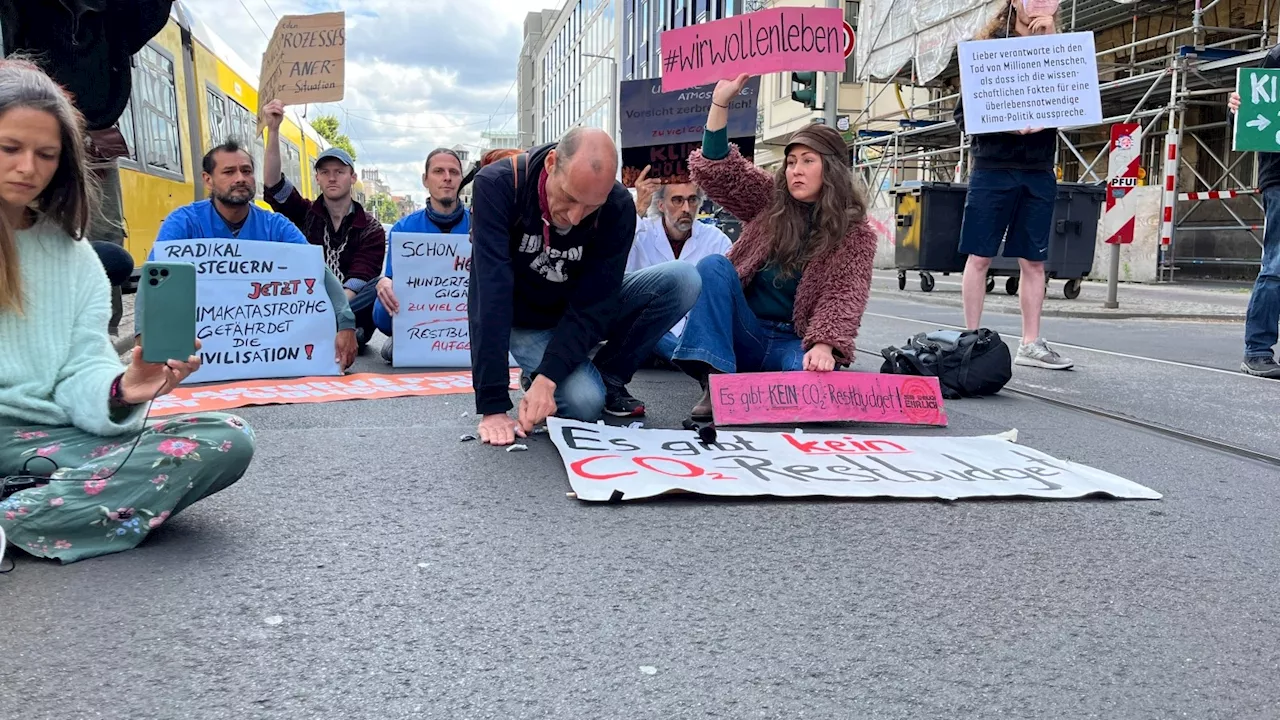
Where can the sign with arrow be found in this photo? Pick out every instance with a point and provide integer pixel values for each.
(1258, 120)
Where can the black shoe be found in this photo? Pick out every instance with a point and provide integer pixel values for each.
(525, 381)
(619, 403)
(1265, 367)
(362, 340)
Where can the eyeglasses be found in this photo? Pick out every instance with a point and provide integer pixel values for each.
(678, 201)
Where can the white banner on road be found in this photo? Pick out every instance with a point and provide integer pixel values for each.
(602, 460)
(430, 274)
(261, 309)
(1043, 81)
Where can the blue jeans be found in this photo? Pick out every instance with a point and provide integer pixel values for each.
(1017, 201)
(1262, 323)
(724, 333)
(666, 346)
(651, 301)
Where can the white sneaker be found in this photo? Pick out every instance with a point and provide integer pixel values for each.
(1039, 354)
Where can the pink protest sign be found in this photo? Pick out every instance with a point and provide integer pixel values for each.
(796, 397)
(766, 41)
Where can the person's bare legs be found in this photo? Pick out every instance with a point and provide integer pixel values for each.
(1031, 296)
(973, 290)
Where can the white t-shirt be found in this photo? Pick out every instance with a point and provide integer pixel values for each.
(651, 247)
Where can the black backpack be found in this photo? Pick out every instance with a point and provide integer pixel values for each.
(972, 363)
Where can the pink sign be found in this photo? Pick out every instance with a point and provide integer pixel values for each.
(766, 41)
(796, 397)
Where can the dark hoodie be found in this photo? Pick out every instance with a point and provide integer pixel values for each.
(86, 45)
(1269, 163)
(1009, 151)
(571, 287)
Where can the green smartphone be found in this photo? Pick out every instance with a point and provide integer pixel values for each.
(167, 294)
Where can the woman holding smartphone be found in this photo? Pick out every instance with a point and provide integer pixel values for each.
(72, 417)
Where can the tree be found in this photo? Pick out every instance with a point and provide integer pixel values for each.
(383, 208)
(327, 126)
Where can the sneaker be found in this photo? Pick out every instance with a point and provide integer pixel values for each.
(386, 351)
(619, 403)
(1265, 367)
(362, 340)
(1039, 354)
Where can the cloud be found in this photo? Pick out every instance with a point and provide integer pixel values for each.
(419, 75)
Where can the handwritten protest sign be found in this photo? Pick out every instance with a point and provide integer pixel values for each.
(606, 462)
(262, 310)
(792, 397)
(305, 61)
(660, 129)
(1257, 124)
(1042, 81)
(360, 386)
(765, 41)
(430, 282)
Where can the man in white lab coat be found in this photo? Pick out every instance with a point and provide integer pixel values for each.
(669, 230)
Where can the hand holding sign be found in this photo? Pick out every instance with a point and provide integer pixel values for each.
(273, 115)
(142, 382)
(819, 358)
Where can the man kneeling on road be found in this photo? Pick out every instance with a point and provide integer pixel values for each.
(353, 240)
(551, 234)
(669, 230)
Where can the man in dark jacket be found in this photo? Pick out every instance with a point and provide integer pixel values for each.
(551, 231)
(1262, 323)
(354, 241)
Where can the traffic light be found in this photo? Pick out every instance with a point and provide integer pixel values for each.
(804, 88)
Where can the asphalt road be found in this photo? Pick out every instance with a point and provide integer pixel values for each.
(372, 566)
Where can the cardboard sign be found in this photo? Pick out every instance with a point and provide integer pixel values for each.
(660, 129)
(1257, 126)
(261, 309)
(796, 397)
(606, 463)
(305, 61)
(430, 273)
(1044, 81)
(361, 386)
(765, 41)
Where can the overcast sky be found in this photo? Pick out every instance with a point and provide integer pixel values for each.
(419, 74)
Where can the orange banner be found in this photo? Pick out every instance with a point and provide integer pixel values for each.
(361, 386)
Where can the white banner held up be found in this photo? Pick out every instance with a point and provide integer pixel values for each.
(430, 272)
(261, 309)
(602, 460)
(1043, 81)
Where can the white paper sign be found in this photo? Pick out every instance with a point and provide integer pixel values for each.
(602, 460)
(261, 309)
(1043, 81)
(430, 274)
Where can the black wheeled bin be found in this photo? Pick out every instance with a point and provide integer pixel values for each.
(1072, 240)
(928, 218)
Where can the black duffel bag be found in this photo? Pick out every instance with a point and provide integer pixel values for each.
(972, 363)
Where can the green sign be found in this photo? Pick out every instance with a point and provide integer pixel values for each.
(1258, 120)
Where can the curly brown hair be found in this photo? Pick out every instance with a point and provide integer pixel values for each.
(802, 232)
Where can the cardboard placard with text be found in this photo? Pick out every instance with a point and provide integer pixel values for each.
(1257, 124)
(1042, 81)
(659, 129)
(305, 61)
(802, 396)
(606, 463)
(757, 43)
(261, 309)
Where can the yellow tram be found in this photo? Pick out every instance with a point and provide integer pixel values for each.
(190, 92)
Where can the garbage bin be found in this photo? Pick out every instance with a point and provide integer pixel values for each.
(927, 236)
(1072, 240)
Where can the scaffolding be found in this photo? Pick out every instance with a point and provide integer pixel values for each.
(1166, 64)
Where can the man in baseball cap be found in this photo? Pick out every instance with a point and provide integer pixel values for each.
(353, 240)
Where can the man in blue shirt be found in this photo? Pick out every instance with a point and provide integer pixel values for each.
(230, 214)
(444, 213)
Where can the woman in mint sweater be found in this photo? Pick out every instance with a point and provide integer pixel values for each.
(70, 412)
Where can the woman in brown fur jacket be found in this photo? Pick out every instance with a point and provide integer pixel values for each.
(791, 291)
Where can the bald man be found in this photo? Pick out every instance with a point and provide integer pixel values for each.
(551, 232)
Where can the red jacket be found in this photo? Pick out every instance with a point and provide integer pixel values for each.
(361, 242)
(833, 289)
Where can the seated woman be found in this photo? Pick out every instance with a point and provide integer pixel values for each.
(790, 293)
(71, 415)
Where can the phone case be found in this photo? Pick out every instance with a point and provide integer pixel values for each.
(167, 293)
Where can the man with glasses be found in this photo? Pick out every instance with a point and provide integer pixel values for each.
(668, 230)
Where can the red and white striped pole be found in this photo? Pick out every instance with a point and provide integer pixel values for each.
(1170, 195)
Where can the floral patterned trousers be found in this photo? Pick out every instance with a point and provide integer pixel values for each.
(94, 504)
